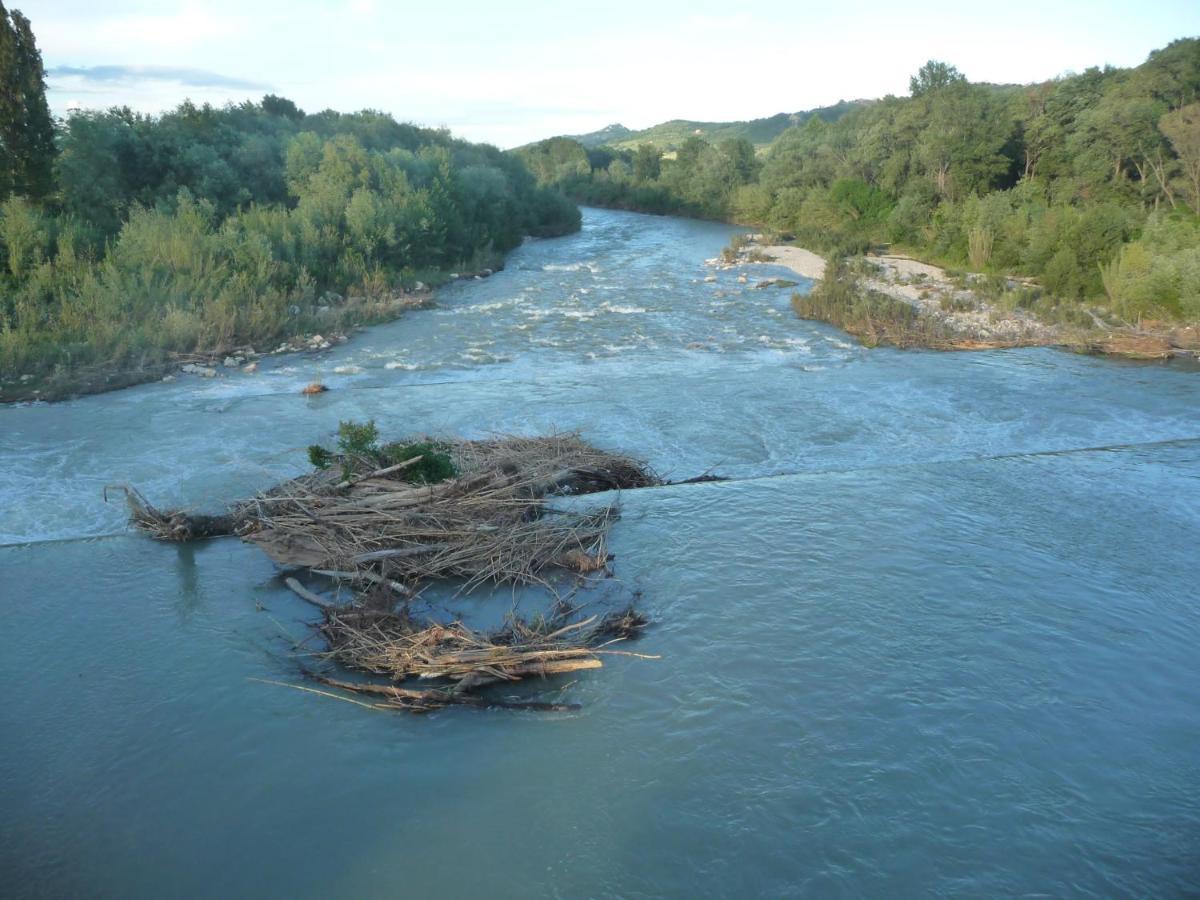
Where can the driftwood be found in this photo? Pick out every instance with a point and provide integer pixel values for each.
(173, 525)
(389, 644)
(379, 473)
(386, 643)
(493, 522)
(305, 594)
(425, 701)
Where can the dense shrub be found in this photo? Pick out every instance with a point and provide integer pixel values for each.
(204, 229)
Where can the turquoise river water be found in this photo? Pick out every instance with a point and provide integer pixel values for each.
(937, 635)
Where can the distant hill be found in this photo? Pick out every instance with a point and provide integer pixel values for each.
(609, 135)
(670, 135)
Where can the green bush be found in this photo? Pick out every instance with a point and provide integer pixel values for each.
(358, 442)
(1063, 276)
(908, 219)
(319, 456)
(355, 439)
(435, 464)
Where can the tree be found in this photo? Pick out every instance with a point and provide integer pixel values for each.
(1051, 125)
(1182, 129)
(9, 101)
(1117, 135)
(740, 153)
(710, 182)
(960, 147)
(26, 128)
(689, 153)
(859, 201)
(933, 76)
(281, 106)
(647, 163)
(1171, 74)
(556, 160)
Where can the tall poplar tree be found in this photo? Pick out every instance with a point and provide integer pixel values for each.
(26, 128)
(9, 100)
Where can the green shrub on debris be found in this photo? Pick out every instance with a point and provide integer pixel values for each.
(435, 464)
(358, 450)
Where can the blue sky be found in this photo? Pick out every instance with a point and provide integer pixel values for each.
(511, 72)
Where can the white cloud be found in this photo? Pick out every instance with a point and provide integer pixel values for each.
(526, 69)
(192, 26)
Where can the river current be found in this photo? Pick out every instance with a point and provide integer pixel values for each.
(937, 634)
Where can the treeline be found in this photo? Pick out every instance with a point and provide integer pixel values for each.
(1090, 183)
(697, 179)
(206, 228)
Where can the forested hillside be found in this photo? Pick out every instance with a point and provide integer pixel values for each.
(670, 136)
(1089, 183)
(124, 237)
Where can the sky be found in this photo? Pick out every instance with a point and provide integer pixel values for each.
(515, 71)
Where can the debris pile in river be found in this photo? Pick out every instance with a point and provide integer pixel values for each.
(369, 517)
(388, 643)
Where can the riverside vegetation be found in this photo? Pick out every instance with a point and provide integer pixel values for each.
(130, 242)
(1089, 184)
(127, 240)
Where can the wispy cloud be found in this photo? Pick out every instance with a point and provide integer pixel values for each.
(110, 75)
(513, 72)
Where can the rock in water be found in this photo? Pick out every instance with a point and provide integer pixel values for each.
(202, 371)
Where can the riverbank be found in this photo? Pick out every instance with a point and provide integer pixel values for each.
(327, 326)
(960, 311)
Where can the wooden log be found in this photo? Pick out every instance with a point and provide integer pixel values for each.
(305, 594)
(290, 549)
(367, 575)
(431, 699)
(378, 473)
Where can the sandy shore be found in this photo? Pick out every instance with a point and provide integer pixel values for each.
(928, 288)
(803, 262)
(968, 318)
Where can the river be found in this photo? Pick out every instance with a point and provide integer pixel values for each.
(937, 634)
